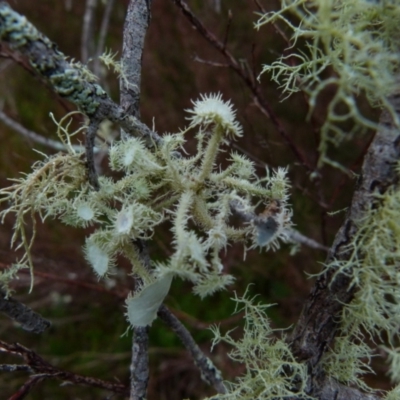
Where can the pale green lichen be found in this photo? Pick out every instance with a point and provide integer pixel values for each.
(373, 267)
(358, 40)
(393, 394)
(15, 28)
(192, 192)
(348, 361)
(68, 79)
(272, 371)
(142, 309)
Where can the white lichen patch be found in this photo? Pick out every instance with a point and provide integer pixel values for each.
(98, 259)
(85, 211)
(211, 109)
(143, 306)
(124, 221)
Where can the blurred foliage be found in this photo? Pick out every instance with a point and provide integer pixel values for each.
(88, 324)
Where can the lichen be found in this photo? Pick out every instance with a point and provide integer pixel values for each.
(192, 192)
(70, 80)
(272, 371)
(373, 269)
(356, 39)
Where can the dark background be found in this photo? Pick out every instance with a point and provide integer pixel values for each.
(87, 315)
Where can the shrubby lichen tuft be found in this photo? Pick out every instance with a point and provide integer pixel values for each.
(359, 40)
(192, 192)
(272, 371)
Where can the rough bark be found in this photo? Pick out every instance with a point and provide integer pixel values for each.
(30, 320)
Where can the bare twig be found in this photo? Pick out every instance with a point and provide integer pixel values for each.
(249, 79)
(209, 372)
(136, 23)
(135, 28)
(87, 45)
(45, 370)
(102, 35)
(211, 63)
(17, 127)
(89, 145)
(139, 367)
(29, 319)
(297, 237)
(15, 367)
(139, 364)
(259, 6)
(26, 388)
(228, 27)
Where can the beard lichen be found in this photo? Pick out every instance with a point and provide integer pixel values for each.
(271, 372)
(356, 39)
(373, 267)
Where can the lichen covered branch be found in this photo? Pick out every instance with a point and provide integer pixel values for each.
(70, 81)
(29, 319)
(321, 317)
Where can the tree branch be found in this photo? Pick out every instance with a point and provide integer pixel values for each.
(39, 366)
(135, 28)
(318, 323)
(332, 390)
(69, 81)
(209, 372)
(136, 24)
(17, 127)
(29, 319)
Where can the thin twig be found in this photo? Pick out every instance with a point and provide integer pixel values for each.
(26, 388)
(30, 320)
(259, 6)
(209, 372)
(15, 367)
(297, 237)
(87, 45)
(249, 79)
(17, 127)
(89, 146)
(211, 63)
(46, 370)
(228, 27)
(102, 35)
(135, 28)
